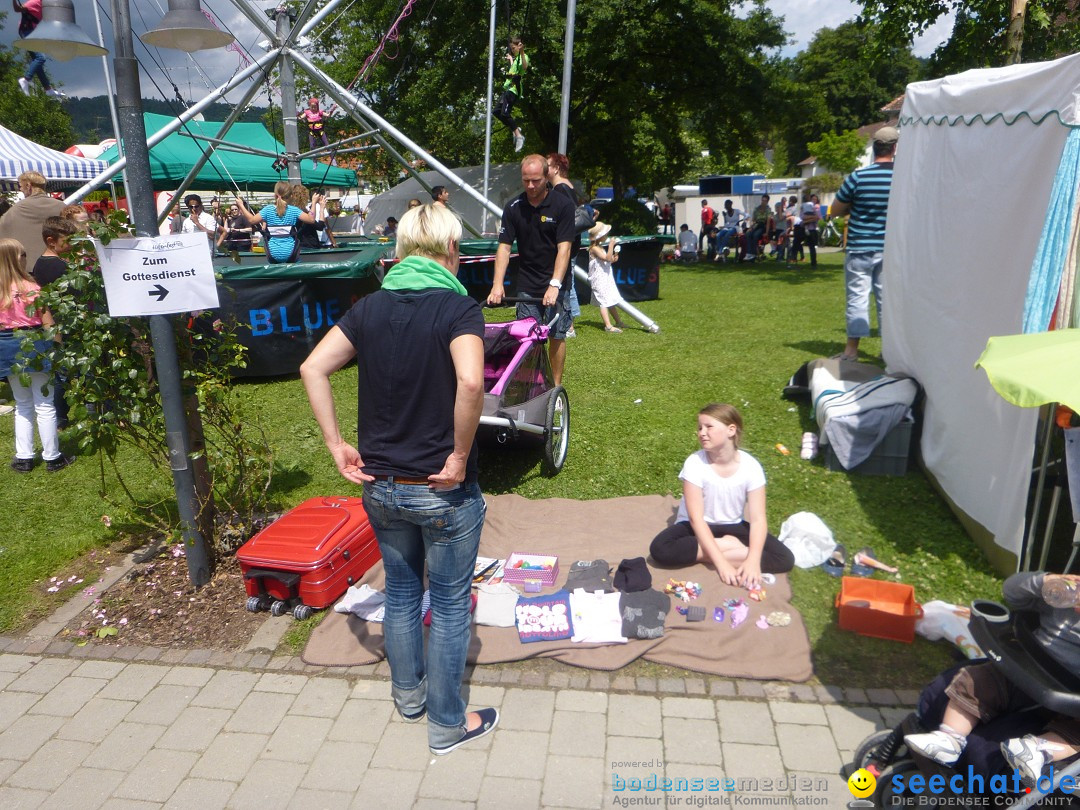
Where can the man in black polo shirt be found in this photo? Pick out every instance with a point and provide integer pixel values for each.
(419, 349)
(543, 225)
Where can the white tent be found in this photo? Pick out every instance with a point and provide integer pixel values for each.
(972, 192)
(18, 155)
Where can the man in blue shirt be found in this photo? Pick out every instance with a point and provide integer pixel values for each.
(865, 195)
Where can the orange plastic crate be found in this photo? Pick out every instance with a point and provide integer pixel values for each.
(880, 609)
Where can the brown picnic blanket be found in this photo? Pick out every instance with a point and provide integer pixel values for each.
(611, 529)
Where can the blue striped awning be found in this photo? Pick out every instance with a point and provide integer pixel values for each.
(18, 155)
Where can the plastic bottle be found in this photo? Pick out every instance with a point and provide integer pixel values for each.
(1059, 592)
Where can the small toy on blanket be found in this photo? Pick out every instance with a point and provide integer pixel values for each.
(682, 589)
(739, 611)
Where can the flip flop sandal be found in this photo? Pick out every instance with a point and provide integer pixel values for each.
(834, 566)
(858, 569)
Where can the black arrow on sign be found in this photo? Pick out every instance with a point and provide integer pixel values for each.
(159, 291)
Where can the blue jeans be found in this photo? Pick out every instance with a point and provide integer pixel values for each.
(414, 525)
(862, 275)
(723, 238)
(37, 68)
(756, 233)
(571, 296)
(535, 309)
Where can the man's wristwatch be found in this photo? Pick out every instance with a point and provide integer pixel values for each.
(555, 283)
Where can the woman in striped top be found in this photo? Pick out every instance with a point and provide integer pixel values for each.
(280, 220)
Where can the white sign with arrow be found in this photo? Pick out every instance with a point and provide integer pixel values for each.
(158, 275)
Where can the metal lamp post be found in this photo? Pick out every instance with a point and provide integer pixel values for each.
(184, 28)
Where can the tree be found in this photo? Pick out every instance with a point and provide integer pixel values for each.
(986, 33)
(646, 76)
(841, 152)
(37, 117)
(837, 84)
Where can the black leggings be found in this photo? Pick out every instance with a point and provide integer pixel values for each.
(811, 243)
(798, 236)
(677, 546)
(502, 110)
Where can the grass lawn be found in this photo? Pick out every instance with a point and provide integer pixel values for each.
(729, 333)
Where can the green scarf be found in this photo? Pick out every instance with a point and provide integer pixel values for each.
(421, 273)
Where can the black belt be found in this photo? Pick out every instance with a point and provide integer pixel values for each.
(401, 479)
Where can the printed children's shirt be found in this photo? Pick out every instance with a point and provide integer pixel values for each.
(644, 613)
(544, 618)
(596, 616)
(725, 498)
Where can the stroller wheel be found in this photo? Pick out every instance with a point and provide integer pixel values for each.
(874, 750)
(557, 431)
(884, 795)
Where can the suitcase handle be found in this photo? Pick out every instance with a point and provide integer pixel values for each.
(287, 578)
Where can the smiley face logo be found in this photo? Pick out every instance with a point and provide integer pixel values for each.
(861, 783)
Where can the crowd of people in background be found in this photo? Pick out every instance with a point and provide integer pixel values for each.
(784, 231)
(228, 227)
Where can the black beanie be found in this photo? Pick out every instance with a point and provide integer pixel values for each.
(633, 575)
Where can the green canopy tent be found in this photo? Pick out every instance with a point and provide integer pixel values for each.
(172, 159)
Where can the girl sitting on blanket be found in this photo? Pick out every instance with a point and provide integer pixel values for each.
(721, 517)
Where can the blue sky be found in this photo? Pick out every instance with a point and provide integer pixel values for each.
(194, 78)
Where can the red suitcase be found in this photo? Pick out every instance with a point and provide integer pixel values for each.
(308, 558)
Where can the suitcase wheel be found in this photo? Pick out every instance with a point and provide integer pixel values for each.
(302, 612)
(278, 608)
(256, 603)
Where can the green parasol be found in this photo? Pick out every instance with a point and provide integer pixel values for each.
(1035, 369)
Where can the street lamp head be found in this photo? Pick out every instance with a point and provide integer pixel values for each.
(186, 28)
(57, 35)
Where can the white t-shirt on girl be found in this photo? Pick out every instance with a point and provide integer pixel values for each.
(725, 498)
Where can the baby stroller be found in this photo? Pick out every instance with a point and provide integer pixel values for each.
(1008, 641)
(520, 395)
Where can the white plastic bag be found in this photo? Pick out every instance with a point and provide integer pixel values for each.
(941, 620)
(809, 539)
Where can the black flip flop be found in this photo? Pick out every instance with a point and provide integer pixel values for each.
(834, 566)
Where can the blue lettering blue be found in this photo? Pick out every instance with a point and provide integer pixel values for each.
(898, 784)
(973, 779)
(331, 312)
(956, 784)
(937, 783)
(617, 783)
(729, 784)
(285, 321)
(917, 783)
(633, 784)
(1067, 784)
(318, 317)
(260, 322)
